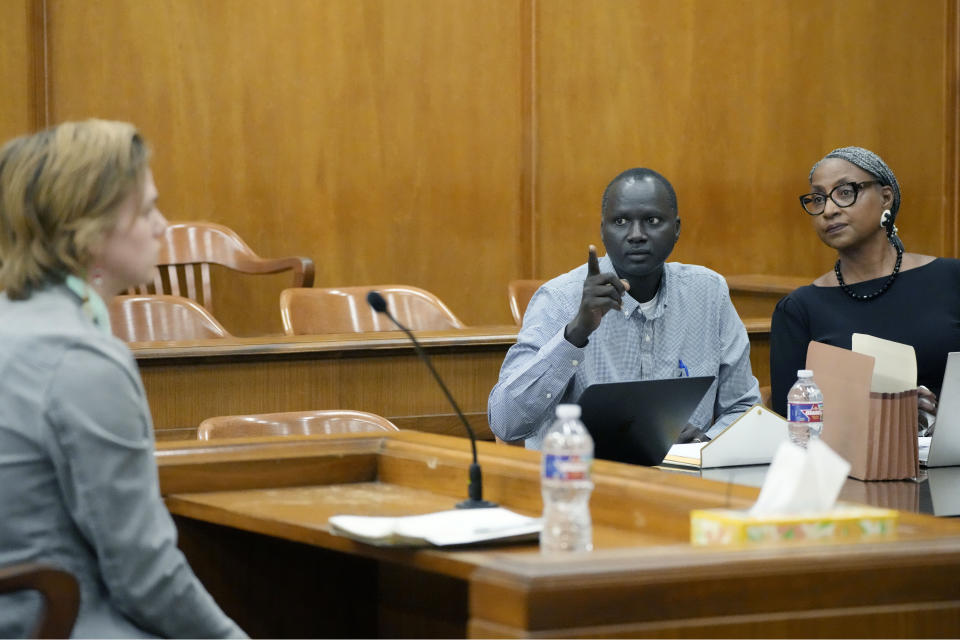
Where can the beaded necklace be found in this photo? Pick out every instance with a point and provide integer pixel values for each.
(886, 284)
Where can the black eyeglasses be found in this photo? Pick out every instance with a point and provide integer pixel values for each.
(843, 195)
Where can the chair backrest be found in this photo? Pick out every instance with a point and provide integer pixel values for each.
(60, 593)
(189, 248)
(520, 292)
(345, 310)
(146, 318)
(292, 423)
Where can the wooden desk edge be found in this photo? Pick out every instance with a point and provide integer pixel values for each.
(493, 337)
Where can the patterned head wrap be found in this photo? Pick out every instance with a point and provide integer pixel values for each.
(875, 166)
(872, 164)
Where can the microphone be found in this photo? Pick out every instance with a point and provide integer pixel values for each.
(475, 489)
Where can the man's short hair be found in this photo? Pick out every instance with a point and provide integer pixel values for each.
(634, 175)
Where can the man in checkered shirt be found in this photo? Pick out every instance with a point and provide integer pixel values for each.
(629, 315)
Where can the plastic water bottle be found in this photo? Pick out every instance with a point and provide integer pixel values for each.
(804, 409)
(565, 483)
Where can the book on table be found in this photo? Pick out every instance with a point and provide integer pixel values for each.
(441, 528)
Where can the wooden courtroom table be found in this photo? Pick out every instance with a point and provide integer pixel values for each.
(253, 516)
(187, 382)
(934, 491)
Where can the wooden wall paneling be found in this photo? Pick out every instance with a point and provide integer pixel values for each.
(529, 131)
(758, 330)
(394, 383)
(179, 400)
(307, 584)
(951, 219)
(22, 72)
(406, 388)
(734, 105)
(457, 145)
(379, 137)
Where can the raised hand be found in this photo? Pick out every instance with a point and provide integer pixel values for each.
(601, 293)
(927, 405)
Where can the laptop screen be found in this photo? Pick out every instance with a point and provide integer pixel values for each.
(944, 447)
(637, 421)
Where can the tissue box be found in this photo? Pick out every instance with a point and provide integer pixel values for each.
(841, 524)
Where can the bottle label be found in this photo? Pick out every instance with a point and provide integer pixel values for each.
(805, 412)
(557, 467)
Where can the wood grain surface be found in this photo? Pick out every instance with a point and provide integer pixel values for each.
(377, 372)
(644, 579)
(381, 138)
(19, 35)
(456, 145)
(734, 104)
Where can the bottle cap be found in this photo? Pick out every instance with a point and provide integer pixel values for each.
(568, 411)
(805, 373)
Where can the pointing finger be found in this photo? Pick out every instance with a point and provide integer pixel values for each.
(593, 265)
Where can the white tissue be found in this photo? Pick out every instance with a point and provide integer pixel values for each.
(801, 481)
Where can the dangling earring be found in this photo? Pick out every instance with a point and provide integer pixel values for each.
(96, 277)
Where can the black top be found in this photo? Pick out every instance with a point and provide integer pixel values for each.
(921, 308)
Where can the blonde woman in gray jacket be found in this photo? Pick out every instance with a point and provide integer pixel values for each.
(78, 481)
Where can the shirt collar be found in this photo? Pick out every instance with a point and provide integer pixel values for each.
(630, 304)
(92, 305)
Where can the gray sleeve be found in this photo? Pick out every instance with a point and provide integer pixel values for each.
(100, 423)
(536, 370)
(737, 388)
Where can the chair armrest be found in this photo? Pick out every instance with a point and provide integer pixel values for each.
(302, 267)
(59, 590)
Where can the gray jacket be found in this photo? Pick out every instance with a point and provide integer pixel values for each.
(78, 479)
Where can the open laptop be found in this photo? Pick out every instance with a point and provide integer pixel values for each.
(637, 421)
(944, 486)
(944, 448)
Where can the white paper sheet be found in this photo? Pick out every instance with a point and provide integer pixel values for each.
(441, 528)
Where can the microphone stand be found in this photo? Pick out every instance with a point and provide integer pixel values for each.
(475, 488)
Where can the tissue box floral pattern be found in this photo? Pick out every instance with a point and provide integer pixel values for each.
(842, 524)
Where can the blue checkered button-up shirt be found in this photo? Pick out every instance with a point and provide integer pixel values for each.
(693, 322)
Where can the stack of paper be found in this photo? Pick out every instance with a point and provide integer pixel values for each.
(442, 528)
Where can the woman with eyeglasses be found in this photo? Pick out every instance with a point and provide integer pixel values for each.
(874, 287)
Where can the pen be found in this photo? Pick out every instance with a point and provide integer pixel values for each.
(682, 370)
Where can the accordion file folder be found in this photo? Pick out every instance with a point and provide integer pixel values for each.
(875, 431)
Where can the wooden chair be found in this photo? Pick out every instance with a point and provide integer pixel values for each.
(183, 268)
(146, 318)
(292, 423)
(60, 592)
(345, 310)
(520, 292)
(765, 396)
